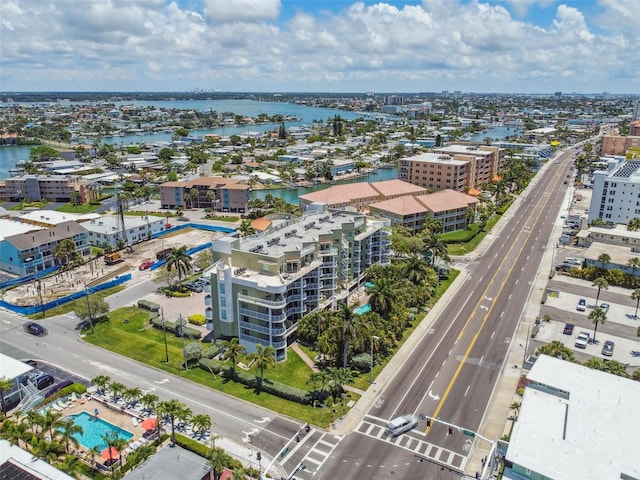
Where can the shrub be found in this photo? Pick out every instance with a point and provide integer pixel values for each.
(213, 351)
(202, 450)
(197, 319)
(180, 294)
(171, 327)
(147, 305)
(361, 362)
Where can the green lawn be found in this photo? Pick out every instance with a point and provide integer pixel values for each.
(80, 209)
(71, 306)
(137, 340)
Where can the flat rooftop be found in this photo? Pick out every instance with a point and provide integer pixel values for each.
(576, 422)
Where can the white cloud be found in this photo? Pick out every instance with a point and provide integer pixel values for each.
(243, 45)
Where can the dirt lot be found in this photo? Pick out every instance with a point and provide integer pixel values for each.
(95, 271)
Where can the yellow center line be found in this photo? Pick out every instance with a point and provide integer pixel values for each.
(486, 317)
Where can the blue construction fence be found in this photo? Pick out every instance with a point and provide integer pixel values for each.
(30, 310)
(28, 278)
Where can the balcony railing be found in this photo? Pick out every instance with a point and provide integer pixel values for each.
(261, 329)
(262, 301)
(274, 317)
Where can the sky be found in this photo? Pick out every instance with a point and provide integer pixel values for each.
(491, 46)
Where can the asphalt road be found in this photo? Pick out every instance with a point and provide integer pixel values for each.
(451, 375)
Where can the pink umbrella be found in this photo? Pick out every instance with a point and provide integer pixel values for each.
(109, 452)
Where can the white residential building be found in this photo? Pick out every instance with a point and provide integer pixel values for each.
(108, 229)
(616, 194)
(262, 285)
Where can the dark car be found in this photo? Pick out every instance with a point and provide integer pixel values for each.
(42, 381)
(34, 329)
(568, 328)
(58, 387)
(563, 268)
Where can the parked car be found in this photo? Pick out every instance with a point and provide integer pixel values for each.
(568, 328)
(145, 265)
(583, 340)
(607, 348)
(582, 305)
(55, 389)
(605, 307)
(194, 287)
(563, 268)
(34, 329)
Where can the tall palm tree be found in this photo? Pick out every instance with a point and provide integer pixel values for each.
(557, 349)
(117, 389)
(184, 416)
(416, 269)
(245, 228)
(170, 408)
(51, 421)
(604, 259)
(217, 462)
(195, 196)
(597, 316)
(101, 382)
(263, 357)
(66, 432)
(601, 283)
(634, 263)
(149, 402)
(47, 450)
(180, 260)
(383, 298)
(634, 224)
(233, 351)
(635, 295)
(434, 244)
(200, 424)
(132, 396)
(70, 465)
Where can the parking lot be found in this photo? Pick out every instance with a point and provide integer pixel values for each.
(620, 327)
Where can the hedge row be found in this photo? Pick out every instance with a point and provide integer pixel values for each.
(268, 386)
(172, 327)
(147, 305)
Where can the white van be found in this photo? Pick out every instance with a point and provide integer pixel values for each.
(573, 261)
(401, 424)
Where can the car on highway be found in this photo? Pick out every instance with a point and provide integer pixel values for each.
(401, 425)
(145, 265)
(582, 305)
(34, 329)
(583, 340)
(607, 348)
(568, 328)
(605, 307)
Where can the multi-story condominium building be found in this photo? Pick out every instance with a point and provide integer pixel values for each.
(262, 285)
(616, 194)
(360, 195)
(411, 212)
(618, 145)
(109, 230)
(221, 194)
(55, 188)
(33, 251)
(487, 160)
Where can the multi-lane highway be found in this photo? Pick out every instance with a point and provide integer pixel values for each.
(452, 373)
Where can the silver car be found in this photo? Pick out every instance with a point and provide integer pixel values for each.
(607, 348)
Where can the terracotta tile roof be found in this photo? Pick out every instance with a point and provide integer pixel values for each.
(396, 187)
(210, 182)
(446, 200)
(339, 194)
(261, 224)
(406, 205)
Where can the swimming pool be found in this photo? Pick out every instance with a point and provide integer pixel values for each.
(363, 309)
(94, 429)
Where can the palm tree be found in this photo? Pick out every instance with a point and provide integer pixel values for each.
(171, 408)
(94, 452)
(132, 396)
(14, 432)
(245, 228)
(66, 432)
(383, 298)
(263, 357)
(149, 402)
(49, 451)
(634, 224)
(200, 424)
(597, 316)
(110, 441)
(635, 295)
(183, 417)
(434, 244)
(605, 259)
(233, 351)
(70, 465)
(217, 462)
(195, 196)
(101, 382)
(51, 421)
(416, 269)
(557, 349)
(5, 385)
(117, 389)
(181, 260)
(601, 283)
(634, 263)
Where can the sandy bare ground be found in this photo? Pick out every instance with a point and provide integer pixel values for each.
(92, 272)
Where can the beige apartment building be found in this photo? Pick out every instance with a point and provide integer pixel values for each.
(55, 188)
(462, 168)
(220, 194)
(618, 145)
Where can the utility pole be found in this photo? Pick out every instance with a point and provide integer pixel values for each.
(164, 330)
(86, 294)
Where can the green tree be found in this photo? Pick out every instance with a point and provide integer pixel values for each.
(70, 465)
(233, 349)
(604, 259)
(557, 349)
(383, 297)
(67, 432)
(101, 382)
(263, 357)
(634, 224)
(200, 424)
(416, 269)
(597, 316)
(117, 389)
(180, 260)
(245, 228)
(217, 461)
(91, 308)
(132, 396)
(149, 401)
(172, 409)
(601, 283)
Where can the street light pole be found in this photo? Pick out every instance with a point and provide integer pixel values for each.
(164, 330)
(86, 294)
(373, 337)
